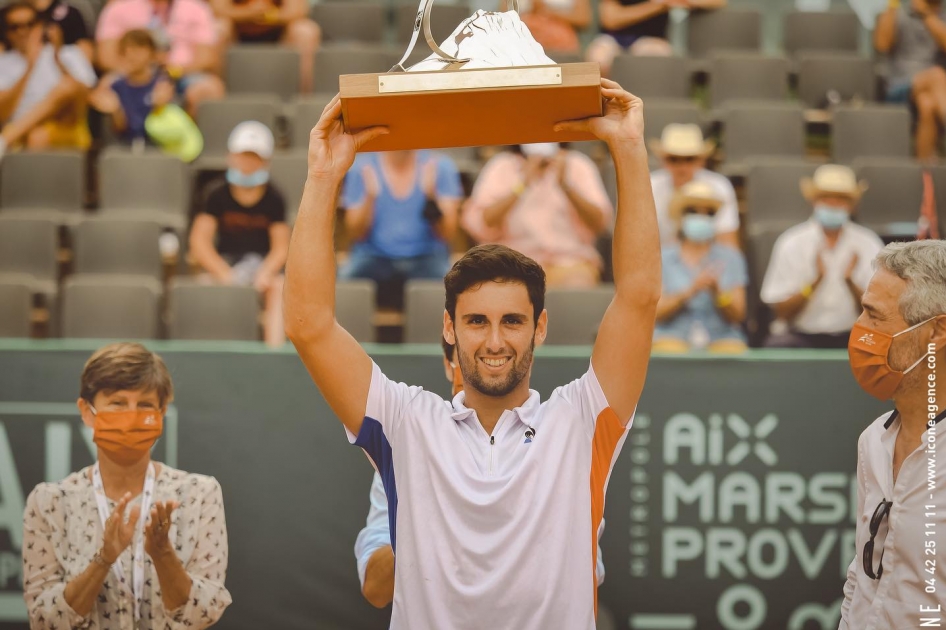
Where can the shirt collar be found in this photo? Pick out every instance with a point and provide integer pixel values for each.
(526, 412)
(896, 414)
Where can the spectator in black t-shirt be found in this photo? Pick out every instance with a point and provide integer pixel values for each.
(638, 27)
(65, 25)
(247, 215)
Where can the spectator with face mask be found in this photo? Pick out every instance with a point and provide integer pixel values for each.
(43, 86)
(548, 203)
(704, 282)
(247, 216)
(127, 542)
(683, 152)
(818, 269)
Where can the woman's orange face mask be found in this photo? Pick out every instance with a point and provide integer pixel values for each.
(127, 435)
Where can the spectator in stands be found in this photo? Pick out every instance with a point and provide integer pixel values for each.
(400, 212)
(638, 27)
(43, 86)
(272, 21)
(247, 214)
(704, 281)
(184, 28)
(683, 152)
(913, 35)
(86, 537)
(548, 203)
(555, 23)
(141, 87)
(65, 24)
(819, 269)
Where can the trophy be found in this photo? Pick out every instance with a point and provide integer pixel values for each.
(489, 83)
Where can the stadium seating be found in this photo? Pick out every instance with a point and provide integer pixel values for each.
(773, 193)
(849, 75)
(350, 21)
(754, 128)
(354, 307)
(747, 75)
(870, 131)
(575, 314)
(16, 302)
(659, 77)
(263, 69)
(118, 246)
(148, 185)
(28, 246)
(53, 180)
(821, 31)
(110, 307)
(891, 204)
(212, 312)
(334, 60)
(423, 311)
(728, 29)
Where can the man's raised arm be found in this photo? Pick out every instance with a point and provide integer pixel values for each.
(336, 362)
(622, 349)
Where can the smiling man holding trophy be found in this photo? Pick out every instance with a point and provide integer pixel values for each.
(495, 498)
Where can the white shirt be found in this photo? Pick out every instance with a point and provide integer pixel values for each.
(377, 533)
(831, 308)
(895, 600)
(727, 218)
(45, 75)
(493, 531)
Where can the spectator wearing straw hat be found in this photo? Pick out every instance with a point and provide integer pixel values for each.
(683, 151)
(819, 269)
(704, 282)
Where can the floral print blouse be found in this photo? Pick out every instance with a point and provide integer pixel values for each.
(63, 531)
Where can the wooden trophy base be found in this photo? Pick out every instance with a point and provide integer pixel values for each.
(463, 108)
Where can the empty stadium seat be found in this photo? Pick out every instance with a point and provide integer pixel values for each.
(870, 131)
(335, 60)
(761, 241)
(217, 118)
(110, 307)
(29, 246)
(891, 205)
(850, 75)
(151, 184)
(660, 77)
(423, 311)
(212, 312)
(263, 69)
(747, 76)
(350, 21)
(308, 110)
(444, 19)
(574, 314)
(16, 302)
(773, 193)
(288, 173)
(753, 129)
(727, 29)
(38, 179)
(118, 246)
(354, 308)
(821, 30)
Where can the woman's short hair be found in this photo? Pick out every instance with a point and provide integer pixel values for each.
(126, 366)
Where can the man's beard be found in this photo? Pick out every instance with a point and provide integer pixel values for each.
(498, 388)
(902, 358)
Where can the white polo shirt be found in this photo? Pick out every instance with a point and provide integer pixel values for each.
(831, 308)
(912, 537)
(727, 218)
(493, 531)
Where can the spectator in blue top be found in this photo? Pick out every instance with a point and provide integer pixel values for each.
(400, 211)
(141, 87)
(704, 282)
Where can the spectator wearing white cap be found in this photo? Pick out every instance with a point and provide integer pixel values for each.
(246, 215)
(683, 152)
(819, 269)
(704, 282)
(548, 203)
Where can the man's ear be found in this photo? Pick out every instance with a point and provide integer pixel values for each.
(541, 327)
(448, 332)
(85, 410)
(939, 332)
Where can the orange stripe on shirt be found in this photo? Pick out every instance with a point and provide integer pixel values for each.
(608, 434)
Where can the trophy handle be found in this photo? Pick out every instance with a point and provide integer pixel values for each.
(422, 23)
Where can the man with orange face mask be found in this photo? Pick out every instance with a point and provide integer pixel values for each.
(373, 550)
(898, 351)
(126, 542)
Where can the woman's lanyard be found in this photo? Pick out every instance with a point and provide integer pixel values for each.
(138, 581)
